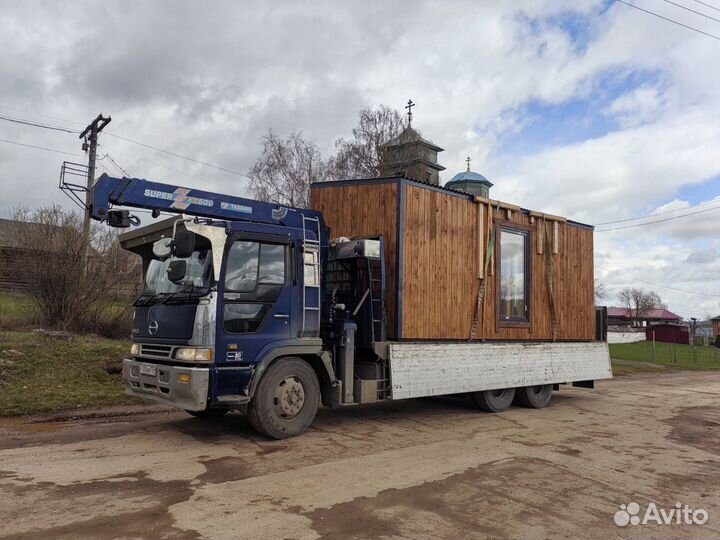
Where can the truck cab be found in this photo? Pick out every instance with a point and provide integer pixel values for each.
(210, 320)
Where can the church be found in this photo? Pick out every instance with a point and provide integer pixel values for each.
(409, 155)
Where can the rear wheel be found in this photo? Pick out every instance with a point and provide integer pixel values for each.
(494, 400)
(286, 400)
(534, 397)
(215, 412)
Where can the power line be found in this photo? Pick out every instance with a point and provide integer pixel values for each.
(118, 167)
(661, 286)
(707, 5)
(42, 115)
(715, 201)
(36, 124)
(692, 10)
(669, 20)
(126, 139)
(660, 220)
(41, 148)
(218, 167)
(115, 151)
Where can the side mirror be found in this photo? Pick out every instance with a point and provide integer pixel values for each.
(184, 243)
(162, 248)
(176, 270)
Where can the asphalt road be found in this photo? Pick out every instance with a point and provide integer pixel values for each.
(434, 469)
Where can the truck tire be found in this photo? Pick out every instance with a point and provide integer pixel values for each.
(534, 397)
(215, 412)
(494, 400)
(286, 400)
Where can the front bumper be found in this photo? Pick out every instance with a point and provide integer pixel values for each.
(161, 384)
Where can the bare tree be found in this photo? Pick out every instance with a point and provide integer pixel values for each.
(67, 295)
(638, 302)
(285, 169)
(600, 291)
(361, 156)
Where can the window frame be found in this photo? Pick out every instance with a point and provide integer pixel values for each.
(260, 243)
(250, 297)
(514, 228)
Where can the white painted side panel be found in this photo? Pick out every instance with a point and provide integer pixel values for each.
(433, 369)
(625, 337)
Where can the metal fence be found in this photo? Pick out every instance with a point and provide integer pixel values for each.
(671, 353)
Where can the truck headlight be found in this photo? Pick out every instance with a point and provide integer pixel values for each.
(135, 349)
(191, 354)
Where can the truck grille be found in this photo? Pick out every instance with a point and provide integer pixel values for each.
(163, 352)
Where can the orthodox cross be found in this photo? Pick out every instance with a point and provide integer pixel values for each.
(467, 160)
(409, 107)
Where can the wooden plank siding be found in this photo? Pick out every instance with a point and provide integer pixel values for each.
(440, 263)
(365, 210)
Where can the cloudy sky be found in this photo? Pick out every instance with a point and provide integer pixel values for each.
(586, 108)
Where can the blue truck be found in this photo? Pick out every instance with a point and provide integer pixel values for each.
(253, 306)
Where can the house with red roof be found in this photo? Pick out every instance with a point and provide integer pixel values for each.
(628, 317)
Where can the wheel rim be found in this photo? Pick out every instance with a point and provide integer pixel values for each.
(497, 394)
(289, 398)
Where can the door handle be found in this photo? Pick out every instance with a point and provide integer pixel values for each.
(281, 316)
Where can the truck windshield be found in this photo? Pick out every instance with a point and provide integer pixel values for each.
(195, 283)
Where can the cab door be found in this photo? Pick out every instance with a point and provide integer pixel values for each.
(255, 296)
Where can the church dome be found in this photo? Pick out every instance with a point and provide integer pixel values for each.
(468, 176)
(470, 182)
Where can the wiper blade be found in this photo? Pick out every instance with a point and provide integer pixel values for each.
(143, 300)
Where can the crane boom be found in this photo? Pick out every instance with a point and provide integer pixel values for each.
(109, 191)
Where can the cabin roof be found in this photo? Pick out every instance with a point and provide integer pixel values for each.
(425, 185)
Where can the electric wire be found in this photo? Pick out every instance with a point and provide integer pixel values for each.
(645, 216)
(669, 19)
(40, 148)
(180, 156)
(36, 124)
(714, 295)
(659, 220)
(692, 10)
(707, 5)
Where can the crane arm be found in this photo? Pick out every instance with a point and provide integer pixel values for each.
(109, 191)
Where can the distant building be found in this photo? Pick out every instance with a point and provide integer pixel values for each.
(627, 317)
(411, 156)
(13, 258)
(470, 182)
(716, 326)
(668, 333)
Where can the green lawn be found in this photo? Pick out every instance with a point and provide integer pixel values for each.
(15, 310)
(668, 354)
(54, 375)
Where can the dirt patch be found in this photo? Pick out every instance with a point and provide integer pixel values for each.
(497, 500)
(153, 521)
(225, 469)
(698, 427)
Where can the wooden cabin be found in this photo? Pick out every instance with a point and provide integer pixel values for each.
(460, 266)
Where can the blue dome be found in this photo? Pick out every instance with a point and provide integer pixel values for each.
(468, 176)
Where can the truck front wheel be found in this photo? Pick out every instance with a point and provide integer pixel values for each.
(494, 400)
(535, 397)
(286, 400)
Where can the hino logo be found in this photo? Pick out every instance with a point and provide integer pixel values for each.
(153, 328)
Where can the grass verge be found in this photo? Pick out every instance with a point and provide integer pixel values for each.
(41, 374)
(667, 354)
(15, 310)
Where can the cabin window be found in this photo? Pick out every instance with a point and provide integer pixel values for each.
(243, 318)
(252, 263)
(514, 276)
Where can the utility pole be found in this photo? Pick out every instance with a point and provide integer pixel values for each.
(90, 139)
